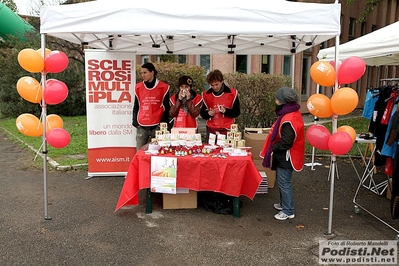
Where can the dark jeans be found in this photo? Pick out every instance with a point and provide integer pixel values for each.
(144, 136)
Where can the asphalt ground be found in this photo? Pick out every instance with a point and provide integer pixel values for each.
(84, 229)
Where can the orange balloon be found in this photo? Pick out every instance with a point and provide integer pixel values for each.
(348, 129)
(323, 73)
(30, 60)
(47, 52)
(29, 89)
(319, 105)
(29, 125)
(344, 101)
(53, 121)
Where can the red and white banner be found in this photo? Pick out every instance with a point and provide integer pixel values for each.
(110, 81)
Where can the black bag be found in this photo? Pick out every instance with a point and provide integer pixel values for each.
(215, 202)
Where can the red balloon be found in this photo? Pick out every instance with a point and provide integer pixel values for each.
(55, 91)
(58, 138)
(55, 62)
(340, 143)
(351, 70)
(318, 136)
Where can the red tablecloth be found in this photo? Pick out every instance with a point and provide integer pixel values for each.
(234, 176)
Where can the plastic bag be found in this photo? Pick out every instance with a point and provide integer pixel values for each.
(216, 202)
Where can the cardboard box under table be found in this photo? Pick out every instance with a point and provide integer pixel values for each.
(183, 199)
(255, 138)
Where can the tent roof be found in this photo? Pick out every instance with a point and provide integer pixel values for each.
(380, 47)
(12, 24)
(194, 27)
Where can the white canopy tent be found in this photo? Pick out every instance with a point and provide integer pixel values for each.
(378, 48)
(200, 27)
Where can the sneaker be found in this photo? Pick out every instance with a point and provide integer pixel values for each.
(277, 206)
(282, 216)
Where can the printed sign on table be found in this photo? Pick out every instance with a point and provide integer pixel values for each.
(163, 174)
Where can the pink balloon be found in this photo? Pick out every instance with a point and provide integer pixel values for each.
(332, 62)
(340, 143)
(58, 138)
(55, 62)
(55, 91)
(318, 136)
(351, 70)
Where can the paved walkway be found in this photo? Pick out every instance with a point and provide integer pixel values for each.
(85, 230)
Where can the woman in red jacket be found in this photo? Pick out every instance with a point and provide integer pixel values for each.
(284, 148)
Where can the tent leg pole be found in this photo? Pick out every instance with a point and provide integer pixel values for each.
(44, 122)
(330, 207)
(313, 151)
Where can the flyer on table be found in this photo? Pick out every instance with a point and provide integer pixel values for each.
(163, 174)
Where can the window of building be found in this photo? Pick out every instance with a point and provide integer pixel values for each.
(287, 65)
(267, 63)
(181, 59)
(351, 32)
(204, 60)
(324, 45)
(363, 29)
(144, 59)
(242, 63)
(306, 64)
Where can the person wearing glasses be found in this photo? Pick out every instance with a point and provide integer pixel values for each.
(221, 105)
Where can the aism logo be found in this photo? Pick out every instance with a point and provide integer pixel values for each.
(109, 80)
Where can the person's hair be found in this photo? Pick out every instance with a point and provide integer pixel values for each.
(214, 75)
(150, 67)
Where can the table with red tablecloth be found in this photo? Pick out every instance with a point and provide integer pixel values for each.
(233, 176)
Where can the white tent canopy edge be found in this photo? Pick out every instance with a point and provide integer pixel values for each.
(378, 48)
(203, 27)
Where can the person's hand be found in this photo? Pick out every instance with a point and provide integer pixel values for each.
(182, 94)
(222, 109)
(188, 95)
(211, 112)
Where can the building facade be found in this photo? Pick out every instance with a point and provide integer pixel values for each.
(384, 14)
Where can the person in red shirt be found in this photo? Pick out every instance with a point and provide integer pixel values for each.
(185, 105)
(151, 105)
(221, 105)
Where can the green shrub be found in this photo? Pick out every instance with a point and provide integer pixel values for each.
(256, 95)
(170, 72)
(12, 104)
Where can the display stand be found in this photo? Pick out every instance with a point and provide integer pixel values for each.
(367, 181)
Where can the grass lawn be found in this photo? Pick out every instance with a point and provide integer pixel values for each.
(76, 152)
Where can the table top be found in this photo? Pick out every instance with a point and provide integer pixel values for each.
(362, 140)
(234, 176)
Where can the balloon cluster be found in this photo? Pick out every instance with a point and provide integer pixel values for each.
(343, 101)
(54, 92)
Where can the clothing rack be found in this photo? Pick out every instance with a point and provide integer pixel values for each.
(395, 81)
(393, 85)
